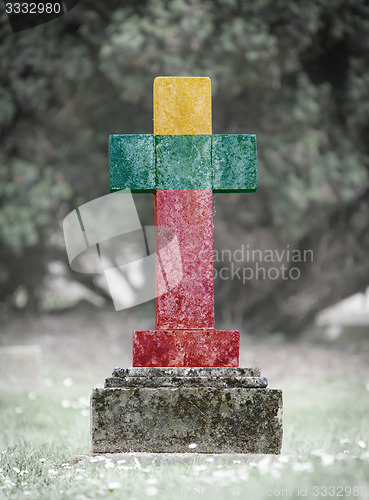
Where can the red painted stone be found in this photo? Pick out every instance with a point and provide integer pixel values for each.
(190, 305)
(186, 348)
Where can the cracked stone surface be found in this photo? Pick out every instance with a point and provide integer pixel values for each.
(254, 382)
(186, 372)
(186, 377)
(167, 419)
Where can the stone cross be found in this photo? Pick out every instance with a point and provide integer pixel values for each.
(183, 163)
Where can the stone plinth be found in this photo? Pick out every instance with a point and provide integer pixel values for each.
(184, 348)
(165, 410)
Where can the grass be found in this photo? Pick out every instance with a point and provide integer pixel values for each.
(325, 451)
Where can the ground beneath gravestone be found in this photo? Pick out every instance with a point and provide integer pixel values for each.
(86, 343)
(326, 404)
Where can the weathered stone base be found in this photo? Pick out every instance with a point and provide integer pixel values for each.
(126, 416)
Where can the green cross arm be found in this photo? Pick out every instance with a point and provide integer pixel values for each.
(144, 163)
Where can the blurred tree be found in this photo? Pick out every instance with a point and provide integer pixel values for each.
(296, 74)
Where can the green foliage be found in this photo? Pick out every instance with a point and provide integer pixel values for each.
(31, 198)
(314, 167)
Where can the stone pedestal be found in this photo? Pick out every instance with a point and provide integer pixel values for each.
(165, 410)
(185, 348)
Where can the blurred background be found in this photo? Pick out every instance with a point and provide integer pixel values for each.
(294, 73)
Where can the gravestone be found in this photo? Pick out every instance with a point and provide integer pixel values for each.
(185, 391)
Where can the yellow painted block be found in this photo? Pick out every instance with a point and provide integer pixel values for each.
(182, 105)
